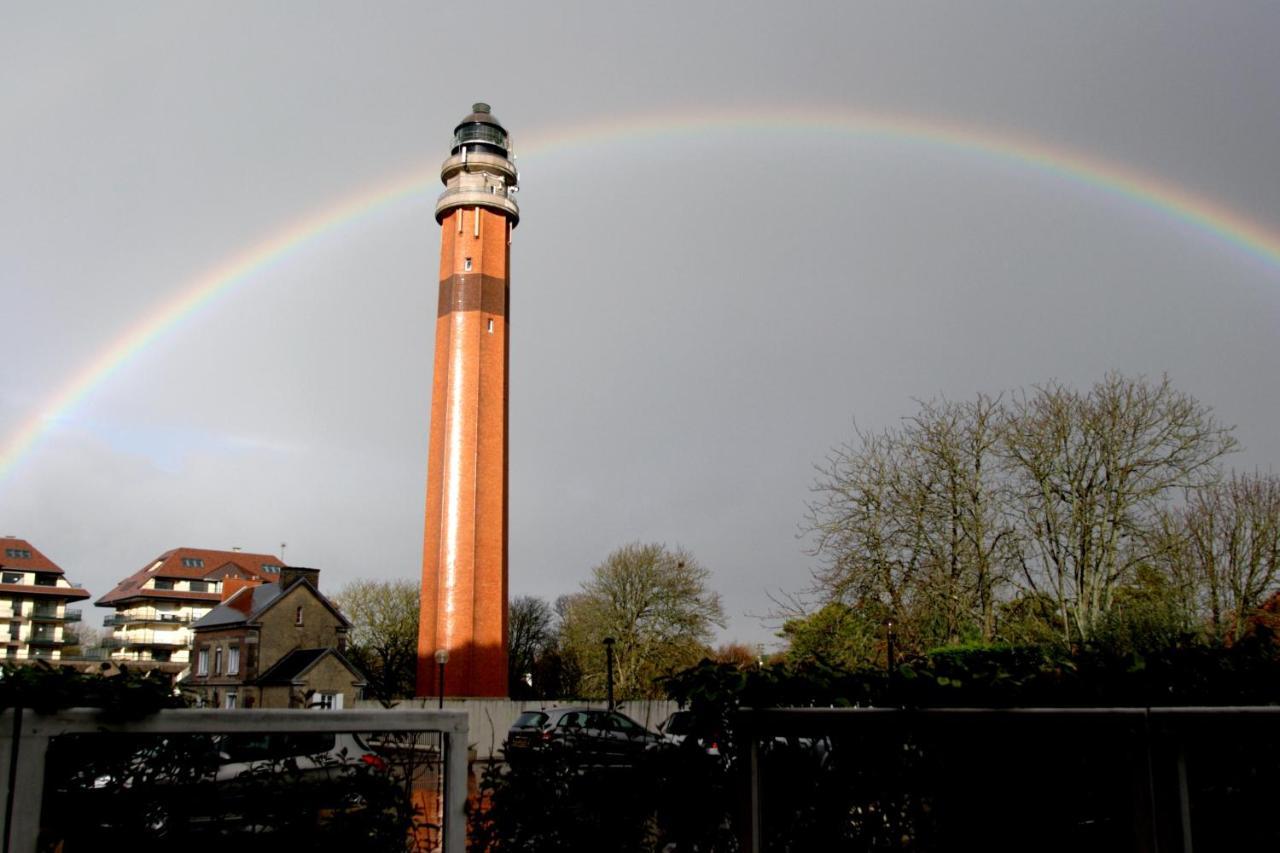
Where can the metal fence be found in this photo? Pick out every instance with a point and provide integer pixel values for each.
(1152, 780)
(25, 738)
(489, 719)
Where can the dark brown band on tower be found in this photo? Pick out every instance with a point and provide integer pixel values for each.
(473, 292)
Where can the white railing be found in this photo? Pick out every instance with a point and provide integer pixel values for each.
(25, 735)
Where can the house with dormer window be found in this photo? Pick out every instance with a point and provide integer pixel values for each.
(34, 594)
(274, 645)
(156, 605)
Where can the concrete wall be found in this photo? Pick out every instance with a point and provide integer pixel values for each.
(489, 719)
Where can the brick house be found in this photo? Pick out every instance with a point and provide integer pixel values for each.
(155, 606)
(33, 602)
(274, 645)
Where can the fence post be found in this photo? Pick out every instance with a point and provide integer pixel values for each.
(25, 794)
(455, 792)
(747, 746)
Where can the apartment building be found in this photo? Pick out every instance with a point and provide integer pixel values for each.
(274, 645)
(33, 602)
(156, 605)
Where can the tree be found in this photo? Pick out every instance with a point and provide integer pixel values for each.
(531, 632)
(1006, 516)
(384, 634)
(654, 603)
(1223, 546)
(1090, 474)
(836, 634)
(908, 524)
(83, 640)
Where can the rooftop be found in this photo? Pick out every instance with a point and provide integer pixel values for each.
(193, 564)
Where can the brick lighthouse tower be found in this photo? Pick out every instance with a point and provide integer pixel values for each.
(464, 557)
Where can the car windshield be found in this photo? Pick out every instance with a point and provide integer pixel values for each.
(531, 719)
(678, 724)
(577, 720)
(622, 724)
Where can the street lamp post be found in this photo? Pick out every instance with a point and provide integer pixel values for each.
(608, 656)
(889, 646)
(442, 658)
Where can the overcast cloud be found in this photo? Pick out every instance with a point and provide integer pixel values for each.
(697, 317)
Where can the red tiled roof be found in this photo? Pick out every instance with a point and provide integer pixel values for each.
(37, 562)
(169, 565)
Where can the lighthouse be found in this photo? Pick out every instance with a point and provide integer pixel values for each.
(462, 630)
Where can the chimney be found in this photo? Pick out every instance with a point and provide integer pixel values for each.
(289, 575)
(230, 586)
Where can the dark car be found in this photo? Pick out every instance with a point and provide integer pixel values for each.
(199, 787)
(586, 735)
(677, 728)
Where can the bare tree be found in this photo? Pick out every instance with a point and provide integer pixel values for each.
(1090, 473)
(531, 631)
(966, 532)
(910, 528)
(866, 524)
(1224, 545)
(655, 604)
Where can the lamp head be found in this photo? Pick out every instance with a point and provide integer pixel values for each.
(442, 656)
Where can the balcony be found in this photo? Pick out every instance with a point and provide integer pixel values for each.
(135, 642)
(50, 614)
(44, 638)
(117, 620)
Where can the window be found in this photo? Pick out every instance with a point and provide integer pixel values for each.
(193, 562)
(297, 615)
(466, 265)
(233, 660)
(202, 661)
(46, 580)
(14, 628)
(160, 654)
(217, 660)
(11, 577)
(327, 701)
(230, 701)
(270, 569)
(163, 583)
(18, 553)
(199, 586)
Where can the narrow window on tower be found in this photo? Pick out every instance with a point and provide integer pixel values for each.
(491, 327)
(466, 265)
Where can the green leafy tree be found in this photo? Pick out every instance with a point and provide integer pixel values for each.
(836, 634)
(655, 604)
(384, 634)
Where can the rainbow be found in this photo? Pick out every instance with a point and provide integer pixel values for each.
(1165, 198)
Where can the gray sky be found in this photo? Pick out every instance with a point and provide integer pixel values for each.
(697, 317)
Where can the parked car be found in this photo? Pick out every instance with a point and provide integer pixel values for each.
(204, 785)
(587, 735)
(677, 728)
